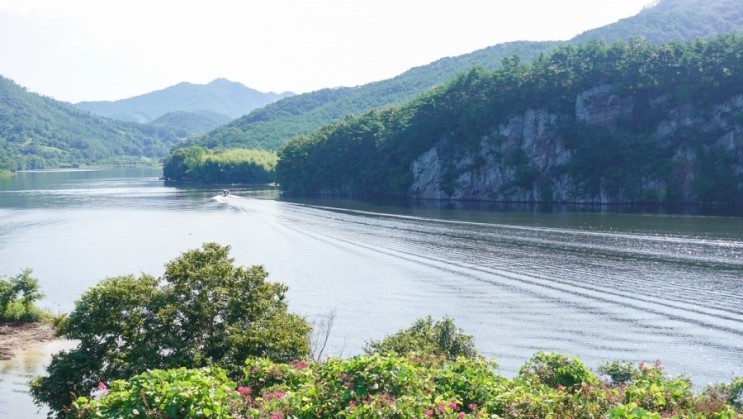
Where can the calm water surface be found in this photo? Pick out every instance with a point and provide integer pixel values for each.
(600, 285)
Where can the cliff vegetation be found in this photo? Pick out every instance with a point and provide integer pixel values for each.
(620, 122)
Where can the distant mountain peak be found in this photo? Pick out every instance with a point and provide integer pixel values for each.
(222, 80)
(220, 96)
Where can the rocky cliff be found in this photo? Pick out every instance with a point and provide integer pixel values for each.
(532, 156)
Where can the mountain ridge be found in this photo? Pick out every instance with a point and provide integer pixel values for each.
(274, 125)
(38, 132)
(221, 96)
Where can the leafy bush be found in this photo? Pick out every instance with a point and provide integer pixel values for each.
(556, 370)
(441, 338)
(619, 372)
(371, 386)
(389, 386)
(17, 298)
(651, 390)
(204, 311)
(735, 394)
(175, 393)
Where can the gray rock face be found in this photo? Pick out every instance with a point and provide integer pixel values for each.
(599, 106)
(520, 159)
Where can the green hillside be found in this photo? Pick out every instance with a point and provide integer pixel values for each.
(221, 96)
(186, 124)
(272, 126)
(673, 20)
(40, 132)
(601, 123)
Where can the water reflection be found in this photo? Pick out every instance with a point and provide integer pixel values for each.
(15, 374)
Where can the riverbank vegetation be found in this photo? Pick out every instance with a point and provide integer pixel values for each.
(18, 297)
(22, 323)
(412, 386)
(197, 164)
(210, 339)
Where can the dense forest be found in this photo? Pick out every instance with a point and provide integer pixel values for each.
(627, 121)
(197, 164)
(39, 132)
(276, 124)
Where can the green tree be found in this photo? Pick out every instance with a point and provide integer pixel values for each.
(203, 311)
(223, 166)
(555, 370)
(21, 291)
(177, 164)
(441, 338)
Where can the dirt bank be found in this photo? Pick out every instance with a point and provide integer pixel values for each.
(15, 337)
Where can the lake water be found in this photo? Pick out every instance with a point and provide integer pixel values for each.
(604, 286)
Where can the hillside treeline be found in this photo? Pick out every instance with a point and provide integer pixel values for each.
(197, 164)
(371, 155)
(38, 132)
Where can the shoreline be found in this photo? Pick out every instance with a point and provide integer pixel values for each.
(16, 337)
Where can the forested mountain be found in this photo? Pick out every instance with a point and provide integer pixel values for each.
(274, 125)
(221, 96)
(673, 20)
(599, 123)
(186, 124)
(40, 132)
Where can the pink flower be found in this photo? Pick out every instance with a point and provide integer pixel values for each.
(461, 415)
(102, 386)
(428, 413)
(453, 405)
(299, 365)
(277, 416)
(245, 391)
(273, 395)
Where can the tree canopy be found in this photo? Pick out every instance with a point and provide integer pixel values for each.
(440, 338)
(203, 311)
(226, 166)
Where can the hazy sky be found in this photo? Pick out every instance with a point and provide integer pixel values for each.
(76, 50)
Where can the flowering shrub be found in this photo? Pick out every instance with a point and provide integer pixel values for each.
(555, 370)
(411, 386)
(175, 393)
(652, 390)
(440, 338)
